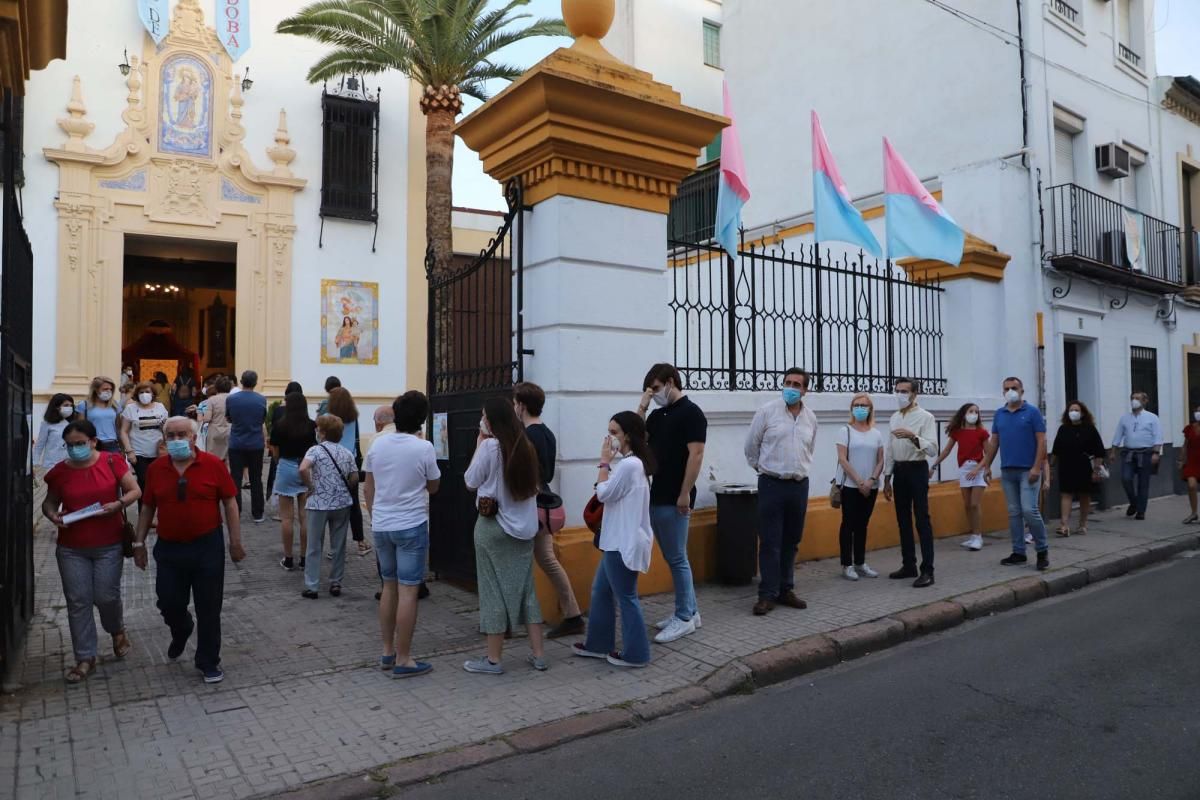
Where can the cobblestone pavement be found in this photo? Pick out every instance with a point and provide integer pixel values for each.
(302, 700)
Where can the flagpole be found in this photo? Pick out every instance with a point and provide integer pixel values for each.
(820, 370)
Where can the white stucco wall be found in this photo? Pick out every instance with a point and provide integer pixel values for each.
(97, 34)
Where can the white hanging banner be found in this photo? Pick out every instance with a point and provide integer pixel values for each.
(232, 21)
(1134, 250)
(153, 14)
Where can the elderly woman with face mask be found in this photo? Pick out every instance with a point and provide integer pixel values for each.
(85, 496)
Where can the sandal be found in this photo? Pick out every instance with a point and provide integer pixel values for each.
(121, 644)
(1063, 531)
(80, 671)
(1081, 531)
(363, 548)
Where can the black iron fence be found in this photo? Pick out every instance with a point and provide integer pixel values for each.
(855, 324)
(1088, 227)
(694, 208)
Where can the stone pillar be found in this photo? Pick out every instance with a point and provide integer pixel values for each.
(600, 149)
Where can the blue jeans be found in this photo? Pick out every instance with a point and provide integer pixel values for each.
(1136, 470)
(616, 585)
(91, 576)
(1023, 508)
(671, 531)
(338, 520)
(402, 555)
(195, 568)
(782, 506)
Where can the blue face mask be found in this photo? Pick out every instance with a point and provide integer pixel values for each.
(179, 449)
(792, 396)
(860, 413)
(79, 452)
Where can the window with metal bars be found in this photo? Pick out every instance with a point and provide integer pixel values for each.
(350, 154)
(712, 44)
(1143, 374)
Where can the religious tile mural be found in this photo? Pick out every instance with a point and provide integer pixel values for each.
(349, 322)
(185, 107)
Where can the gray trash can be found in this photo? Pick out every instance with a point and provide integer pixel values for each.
(737, 533)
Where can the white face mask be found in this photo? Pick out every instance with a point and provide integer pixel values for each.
(66, 411)
(614, 444)
(1074, 416)
(1012, 397)
(1136, 405)
(1196, 416)
(144, 398)
(483, 428)
(106, 395)
(903, 400)
(662, 396)
(972, 418)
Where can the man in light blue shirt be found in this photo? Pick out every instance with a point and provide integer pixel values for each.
(1139, 439)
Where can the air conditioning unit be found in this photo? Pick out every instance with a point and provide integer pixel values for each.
(1110, 247)
(1112, 160)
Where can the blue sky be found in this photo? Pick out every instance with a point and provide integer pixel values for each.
(1177, 27)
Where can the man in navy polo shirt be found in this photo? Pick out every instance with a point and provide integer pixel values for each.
(247, 412)
(1019, 434)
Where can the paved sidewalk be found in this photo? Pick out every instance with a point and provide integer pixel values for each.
(302, 701)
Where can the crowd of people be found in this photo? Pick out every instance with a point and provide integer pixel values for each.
(181, 454)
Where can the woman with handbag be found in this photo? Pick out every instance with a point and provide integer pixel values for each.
(90, 550)
(341, 405)
(1078, 456)
(860, 461)
(626, 540)
(291, 437)
(528, 402)
(504, 473)
(330, 475)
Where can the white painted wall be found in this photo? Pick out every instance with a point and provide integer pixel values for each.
(97, 35)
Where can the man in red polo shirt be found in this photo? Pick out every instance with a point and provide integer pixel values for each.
(188, 487)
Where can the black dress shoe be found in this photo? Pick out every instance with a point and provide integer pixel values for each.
(1140, 515)
(309, 594)
(175, 649)
(1015, 558)
(422, 592)
(904, 572)
(926, 579)
(568, 627)
(1043, 560)
(1129, 512)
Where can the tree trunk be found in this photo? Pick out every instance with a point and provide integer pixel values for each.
(439, 231)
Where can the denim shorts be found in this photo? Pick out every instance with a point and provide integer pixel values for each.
(402, 554)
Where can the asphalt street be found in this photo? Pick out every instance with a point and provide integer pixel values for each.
(1093, 695)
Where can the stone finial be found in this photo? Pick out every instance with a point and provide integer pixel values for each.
(76, 126)
(589, 22)
(235, 132)
(134, 114)
(281, 153)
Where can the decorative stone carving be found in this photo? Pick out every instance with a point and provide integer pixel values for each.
(185, 189)
(134, 182)
(76, 126)
(281, 153)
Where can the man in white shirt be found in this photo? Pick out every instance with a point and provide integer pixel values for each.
(1139, 440)
(779, 447)
(913, 441)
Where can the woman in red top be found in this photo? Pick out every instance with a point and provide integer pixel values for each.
(1189, 461)
(966, 431)
(89, 550)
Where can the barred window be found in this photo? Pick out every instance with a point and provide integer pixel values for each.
(1143, 374)
(350, 154)
(712, 44)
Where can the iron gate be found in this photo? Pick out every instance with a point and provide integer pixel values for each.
(476, 350)
(16, 344)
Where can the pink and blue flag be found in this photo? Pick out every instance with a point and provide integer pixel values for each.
(732, 190)
(917, 226)
(834, 217)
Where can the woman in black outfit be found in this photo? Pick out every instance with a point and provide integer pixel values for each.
(291, 438)
(1078, 455)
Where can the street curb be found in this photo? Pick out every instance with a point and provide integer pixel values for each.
(757, 670)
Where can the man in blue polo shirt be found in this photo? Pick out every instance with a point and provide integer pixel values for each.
(247, 412)
(1019, 434)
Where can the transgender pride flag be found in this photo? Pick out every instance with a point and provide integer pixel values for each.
(732, 191)
(834, 217)
(917, 226)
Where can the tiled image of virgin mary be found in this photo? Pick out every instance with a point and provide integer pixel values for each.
(185, 107)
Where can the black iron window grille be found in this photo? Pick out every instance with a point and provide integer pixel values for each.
(1143, 374)
(350, 154)
(855, 324)
(694, 207)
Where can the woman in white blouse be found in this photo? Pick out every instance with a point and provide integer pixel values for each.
(504, 473)
(626, 540)
(49, 447)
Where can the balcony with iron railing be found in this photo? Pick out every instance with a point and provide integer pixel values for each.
(1066, 11)
(1129, 56)
(693, 213)
(1090, 235)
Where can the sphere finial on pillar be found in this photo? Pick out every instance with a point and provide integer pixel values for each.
(589, 22)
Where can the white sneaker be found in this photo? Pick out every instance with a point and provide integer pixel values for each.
(676, 629)
(1028, 537)
(665, 621)
(850, 574)
(867, 572)
(976, 542)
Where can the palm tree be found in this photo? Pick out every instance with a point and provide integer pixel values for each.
(447, 46)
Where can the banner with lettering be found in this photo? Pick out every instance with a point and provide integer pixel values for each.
(154, 15)
(232, 21)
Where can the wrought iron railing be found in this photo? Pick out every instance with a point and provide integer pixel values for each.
(694, 209)
(1129, 56)
(1090, 227)
(855, 324)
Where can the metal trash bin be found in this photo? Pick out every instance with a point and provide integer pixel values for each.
(737, 533)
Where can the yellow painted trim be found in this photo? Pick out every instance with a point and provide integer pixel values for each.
(588, 127)
(416, 286)
(981, 260)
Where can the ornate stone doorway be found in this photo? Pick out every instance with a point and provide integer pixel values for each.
(179, 171)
